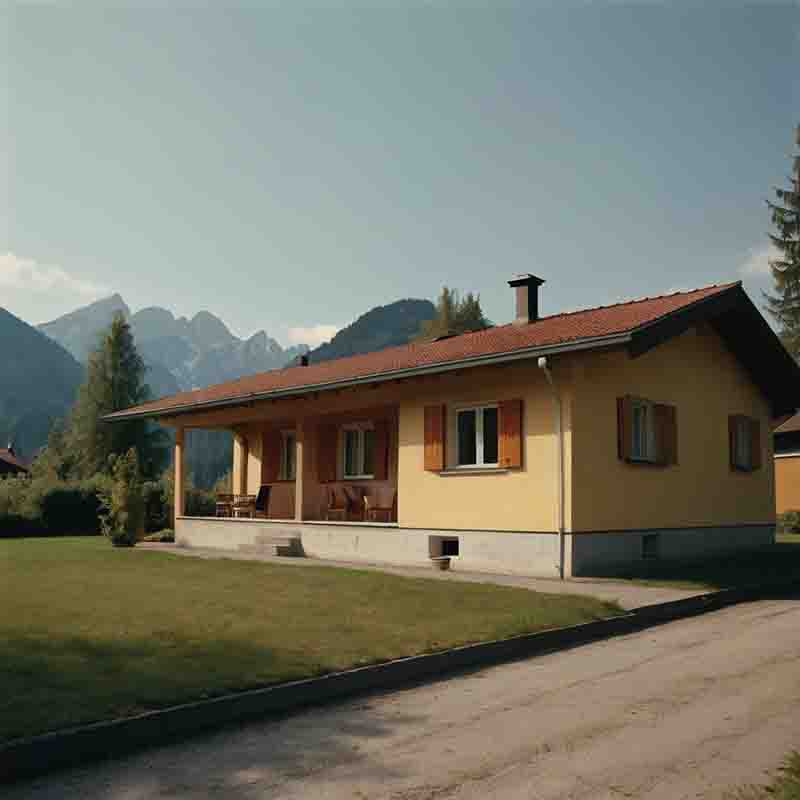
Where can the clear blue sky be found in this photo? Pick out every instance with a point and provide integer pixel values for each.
(289, 168)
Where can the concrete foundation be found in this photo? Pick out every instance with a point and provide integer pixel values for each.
(515, 553)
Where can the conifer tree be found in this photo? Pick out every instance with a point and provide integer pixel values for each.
(454, 315)
(784, 304)
(114, 381)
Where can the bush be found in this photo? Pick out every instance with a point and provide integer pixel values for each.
(13, 526)
(122, 511)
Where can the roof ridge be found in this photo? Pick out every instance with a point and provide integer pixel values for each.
(636, 300)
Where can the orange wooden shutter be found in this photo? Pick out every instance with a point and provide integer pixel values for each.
(381, 465)
(624, 427)
(510, 433)
(666, 434)
(755, 444)
(271, 446)
(435, 417)
(328, 441)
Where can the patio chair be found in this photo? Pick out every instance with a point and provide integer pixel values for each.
(262, 501)
(381, 506)
(337, 507)
(224, 505)
(355, 502)
(244, 505)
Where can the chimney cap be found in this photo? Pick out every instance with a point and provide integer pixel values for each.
(526, 279)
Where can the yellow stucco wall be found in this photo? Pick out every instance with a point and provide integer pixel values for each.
(787, 483)
(696, 373)
(517, 500)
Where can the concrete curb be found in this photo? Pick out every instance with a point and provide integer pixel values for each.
(39, 754)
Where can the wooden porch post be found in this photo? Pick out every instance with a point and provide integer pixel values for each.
(180, 472)
(240, 456)
(299, 469)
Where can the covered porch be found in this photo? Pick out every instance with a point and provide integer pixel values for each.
(337, 468)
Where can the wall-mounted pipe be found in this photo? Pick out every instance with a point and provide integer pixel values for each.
(559, 428)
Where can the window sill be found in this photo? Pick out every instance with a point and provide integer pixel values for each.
(473, 471)
(357, 478)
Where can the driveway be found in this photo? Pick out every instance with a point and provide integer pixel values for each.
(684, 710)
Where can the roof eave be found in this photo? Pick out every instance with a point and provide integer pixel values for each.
(592, 343)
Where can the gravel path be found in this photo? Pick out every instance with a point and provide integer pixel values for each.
(684, 710)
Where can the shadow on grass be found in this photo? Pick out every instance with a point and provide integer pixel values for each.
(777, 563)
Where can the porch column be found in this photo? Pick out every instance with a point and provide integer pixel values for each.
(240, 456)
(180, 472)
(299, 469)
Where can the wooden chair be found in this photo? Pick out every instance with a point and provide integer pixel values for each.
(244, 505)
(381, 507)
(355, 502)
(262, 501)
(224, 505)
(337, 507)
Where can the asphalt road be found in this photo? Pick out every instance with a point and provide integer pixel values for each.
(690, 709)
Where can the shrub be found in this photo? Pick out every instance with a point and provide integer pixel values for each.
(122, 514)
(72, 508)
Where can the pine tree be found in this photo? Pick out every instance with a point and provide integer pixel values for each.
(454, 316)
(784, 304)
(114, 381)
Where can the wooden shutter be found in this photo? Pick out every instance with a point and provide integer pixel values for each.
(435, 418)
(380, 469)
(327, 452)
(666, 434)
(755, 444)
(624, 427)
(510, 433)
(271, 447)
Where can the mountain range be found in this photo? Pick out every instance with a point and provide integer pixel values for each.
(46, 368)
(180, 353)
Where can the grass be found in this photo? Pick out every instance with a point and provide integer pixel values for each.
(777, 563)
(90, 632)
(785, 786)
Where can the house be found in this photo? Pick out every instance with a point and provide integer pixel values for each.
(787, 465)
(566, 444)
(11, 463)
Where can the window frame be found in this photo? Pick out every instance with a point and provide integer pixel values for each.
(649, 438)
(479, 463)
(361, 429)
(283, 471)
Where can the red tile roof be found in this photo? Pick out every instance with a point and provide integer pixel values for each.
(14, 461)
(560, 329)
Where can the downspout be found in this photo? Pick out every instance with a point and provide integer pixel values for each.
(543, 365)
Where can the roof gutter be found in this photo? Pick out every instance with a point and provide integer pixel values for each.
(380, 377)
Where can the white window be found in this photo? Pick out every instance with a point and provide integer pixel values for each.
(476, 437)
(358, 451)
(288, 471)
(743, 444)
(643, 431)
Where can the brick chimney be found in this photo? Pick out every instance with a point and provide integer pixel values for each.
(526, 288)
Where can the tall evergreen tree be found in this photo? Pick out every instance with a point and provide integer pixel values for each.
(454, 315)
(114, 381)
(784, 304)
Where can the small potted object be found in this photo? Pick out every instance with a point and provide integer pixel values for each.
(441, 562)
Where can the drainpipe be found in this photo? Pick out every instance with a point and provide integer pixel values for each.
(543, 365)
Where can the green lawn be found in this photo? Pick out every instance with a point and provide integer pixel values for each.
(777, 563)
(89, 632)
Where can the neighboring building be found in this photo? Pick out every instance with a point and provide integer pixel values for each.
(787, 465)
(571, 443)
(11, 463)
